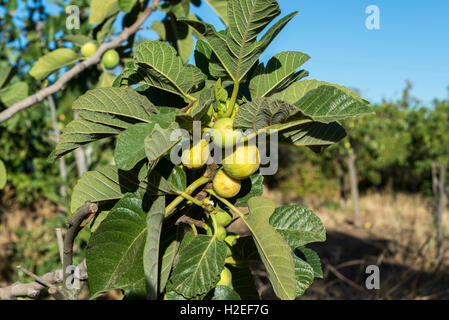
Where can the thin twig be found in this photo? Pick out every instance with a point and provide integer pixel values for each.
(342, 277)
(187, 220)
(78, 68)
(35, 277)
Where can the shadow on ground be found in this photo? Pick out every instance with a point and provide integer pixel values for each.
(344, 261)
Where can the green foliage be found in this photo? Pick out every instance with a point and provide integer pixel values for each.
(134, 248)
(52, 61)
(3, 175)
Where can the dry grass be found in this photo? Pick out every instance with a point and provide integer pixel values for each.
(15, 218)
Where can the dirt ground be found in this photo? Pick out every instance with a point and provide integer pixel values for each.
(397, 236)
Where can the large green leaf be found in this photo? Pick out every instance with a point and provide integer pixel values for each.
(158, 143)
(208, 62)
(295, 128)
(102, 9)
(312, 258)
(238, 50)
(313, 134)
(327, 104)
(278, 74)
(304, 275)
(130, 148)
(13, 93)
(53, 61)
(114, 255)
(324, 102)
(297, 90)
(162, 68)
(298, 225)
(152, 245)
(104, 184)
(77, 39)
(262, 113)
(104, 112)
(118, 107)
(3, 175)
(79, 132)
(272, 248)
(198, 266)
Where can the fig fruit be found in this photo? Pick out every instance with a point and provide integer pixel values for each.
(225, 278)
(196, 156)
(88, 49)
(110, 59)
(223, 218)
(221, 233)
(225, 186)
(223, 133)
(231, 239)
(243, 162)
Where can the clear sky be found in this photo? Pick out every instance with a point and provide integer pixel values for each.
(411, 44)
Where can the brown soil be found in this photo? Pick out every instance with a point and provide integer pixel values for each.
(397, 236)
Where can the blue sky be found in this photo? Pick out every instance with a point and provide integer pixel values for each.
(412, 44)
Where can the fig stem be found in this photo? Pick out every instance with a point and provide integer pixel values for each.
(195, 232)
(190, 198)
(226, 202)
(214, 221)
(170, 209)
(235, 92)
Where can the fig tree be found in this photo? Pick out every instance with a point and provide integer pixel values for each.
(243, 162)
(225, 186)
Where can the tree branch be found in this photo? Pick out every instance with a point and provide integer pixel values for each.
(75, 226)
(33, 289)
(66, 77)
